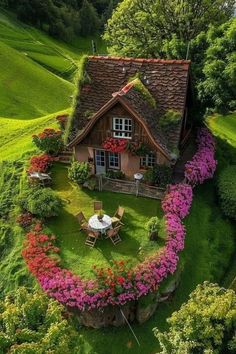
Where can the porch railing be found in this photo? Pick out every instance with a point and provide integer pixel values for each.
(129, 187)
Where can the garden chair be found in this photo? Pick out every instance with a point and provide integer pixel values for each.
(97, 206)
(92, 237)
(113, 235)
(82, 221)
(116, 219)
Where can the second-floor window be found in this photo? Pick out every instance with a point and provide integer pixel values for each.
(122, 128)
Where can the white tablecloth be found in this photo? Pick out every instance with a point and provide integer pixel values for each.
(102, 225)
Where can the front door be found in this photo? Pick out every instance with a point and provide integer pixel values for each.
(100, 160)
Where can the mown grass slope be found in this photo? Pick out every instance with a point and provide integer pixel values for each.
(27, 89)
(16, 134)
(38, 71)
(224, 126)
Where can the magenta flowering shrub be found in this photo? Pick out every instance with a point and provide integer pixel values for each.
(120, 285)
(203, 164)
(178, 199)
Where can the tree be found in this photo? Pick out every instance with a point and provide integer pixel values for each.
(88, 19)
(32, 323)
(218, 87)
(205, 324)
(141, 27)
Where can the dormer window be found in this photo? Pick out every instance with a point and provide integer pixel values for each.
(122, 128)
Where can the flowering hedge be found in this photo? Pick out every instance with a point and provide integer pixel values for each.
(115, 145)
(40, 163)
(203, 164)
(62, 120)
(118, 284)
(50, 140)
(178, 200)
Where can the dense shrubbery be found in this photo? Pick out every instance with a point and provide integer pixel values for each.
(205, 324)
(50, 141)
(31, 323)
(115, 174)
(79, 172)
(64, 19)
(42, 202)
(227, 191)
(159, 175)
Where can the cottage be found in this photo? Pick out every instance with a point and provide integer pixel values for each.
(131, 113)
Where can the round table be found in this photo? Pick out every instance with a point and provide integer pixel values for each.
(102, 225)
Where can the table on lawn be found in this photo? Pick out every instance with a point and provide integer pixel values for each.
(100, 225)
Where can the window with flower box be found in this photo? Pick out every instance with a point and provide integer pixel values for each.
(122, 128)
(114, 160)
(148, 160)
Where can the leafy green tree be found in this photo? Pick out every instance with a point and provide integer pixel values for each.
(205, 324)
(89, 19)
(32, 323)
(218, 87)
(141, 27)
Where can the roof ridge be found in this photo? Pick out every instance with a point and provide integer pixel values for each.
(140, 60)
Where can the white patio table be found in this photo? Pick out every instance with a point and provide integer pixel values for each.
(100, 225)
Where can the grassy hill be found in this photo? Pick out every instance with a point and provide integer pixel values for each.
(16, 134)
(38, 71)
(224, 126)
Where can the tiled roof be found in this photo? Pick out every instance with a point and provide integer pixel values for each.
(135, 100)
(166, 80)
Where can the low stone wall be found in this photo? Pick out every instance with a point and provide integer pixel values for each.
(140, 310)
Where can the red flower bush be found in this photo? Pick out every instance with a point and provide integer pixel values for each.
(50, 140)
(62, 120)
(25, 219)
(115, 145)
(40, 163)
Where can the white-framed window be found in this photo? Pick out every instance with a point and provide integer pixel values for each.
(114, 160)
(122, 128)
(148, 160)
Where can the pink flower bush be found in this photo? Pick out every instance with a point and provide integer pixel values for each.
(118, 284)
(178, 200)
(203, 164)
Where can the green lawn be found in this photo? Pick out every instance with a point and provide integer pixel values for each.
(224, 126)
(79, 257)
(208, 249)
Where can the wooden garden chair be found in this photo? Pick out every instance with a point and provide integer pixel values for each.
(116, 219)
(92, 237)
(113, 235)
(97, 206)
(82, 221)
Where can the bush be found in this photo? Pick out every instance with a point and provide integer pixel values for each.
(79, 172)
(25, 220)
(50, 141)
(156, 228)
(159, 175)
(115, 174)
(42, 202)
(227, 191)
(33, 323)
(40, 163)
